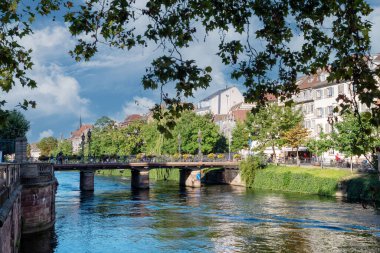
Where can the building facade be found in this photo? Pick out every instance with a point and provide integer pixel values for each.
(76, 137)
(220, 102)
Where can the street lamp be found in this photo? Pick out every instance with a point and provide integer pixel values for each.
(200, 144)
(82, 143)
(89, 142)
(179, 144)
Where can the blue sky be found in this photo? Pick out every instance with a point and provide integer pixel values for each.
(107, 85)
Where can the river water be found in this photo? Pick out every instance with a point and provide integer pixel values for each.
(167, 218)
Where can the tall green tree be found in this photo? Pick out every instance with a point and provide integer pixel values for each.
(47, 145)
(104, 122)
(240, 137)
(354, 138)
(15, 126)
(64, 146)
(320, 145)
(153, 139)
(269, 124)
(117, 141)
(188, 126)
(175, 25)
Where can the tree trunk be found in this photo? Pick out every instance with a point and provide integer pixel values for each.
(274, 155)
(352, 169)
(322, 161)
(298, 159)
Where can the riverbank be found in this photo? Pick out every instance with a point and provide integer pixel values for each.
(326, 182)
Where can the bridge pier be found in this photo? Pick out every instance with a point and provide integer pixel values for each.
(87, 180)
(140, 178)
(190, 177)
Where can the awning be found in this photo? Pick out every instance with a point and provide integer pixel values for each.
(287, 149)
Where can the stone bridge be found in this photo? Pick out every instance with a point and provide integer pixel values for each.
(190, 171)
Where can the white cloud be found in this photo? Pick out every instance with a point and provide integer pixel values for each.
(48, 43)
(139, 105)
(375, 35)
(46, 133)
(56, 93)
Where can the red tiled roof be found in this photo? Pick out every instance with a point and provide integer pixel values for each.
(80, 131)
(131, 118)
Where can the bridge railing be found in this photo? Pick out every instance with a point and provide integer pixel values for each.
(36, 173)
(136, 159)
(9, 180)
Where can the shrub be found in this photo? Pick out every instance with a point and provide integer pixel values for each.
(177, 156)
(140, 156)
(220, 156)
(211, 156)
(249, 167)
(186, 156)
(237, 156)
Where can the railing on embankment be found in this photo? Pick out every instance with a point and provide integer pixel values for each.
(10, 207)
(135, 159)
(9, 181)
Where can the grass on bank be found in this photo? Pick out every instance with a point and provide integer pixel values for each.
(299, 179)
(154, 174)
(315, 181)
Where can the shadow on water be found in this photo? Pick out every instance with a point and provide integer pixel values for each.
(86, 196)
(43, 242)
(169, 218)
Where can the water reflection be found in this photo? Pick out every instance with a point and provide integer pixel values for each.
(44, 242)
(168, 218)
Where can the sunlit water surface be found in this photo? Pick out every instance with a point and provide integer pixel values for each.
(167, 218)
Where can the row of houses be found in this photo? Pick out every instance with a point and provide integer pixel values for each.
(316, 100)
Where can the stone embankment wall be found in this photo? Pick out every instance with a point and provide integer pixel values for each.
(10, 208)
(38, 197)
(27, 202)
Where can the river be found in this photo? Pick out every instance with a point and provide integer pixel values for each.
(167, 218)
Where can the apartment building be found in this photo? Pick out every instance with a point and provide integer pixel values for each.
(318, 98)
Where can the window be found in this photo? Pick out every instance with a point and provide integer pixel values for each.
(311, 108)
(330, 110)
(319, 129)
(319, 94)
(330, 92)
(319, 112)
(313, 124)
(341, 88)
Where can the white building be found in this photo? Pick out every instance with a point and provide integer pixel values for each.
(220, 102)
(35, 152)
(76, 137)
(318, 98)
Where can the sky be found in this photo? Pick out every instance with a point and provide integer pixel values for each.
(110, 83)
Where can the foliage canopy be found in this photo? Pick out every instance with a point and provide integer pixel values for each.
(261, 52)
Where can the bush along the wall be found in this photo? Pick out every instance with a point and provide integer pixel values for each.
(249, 167)
(278, 180)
